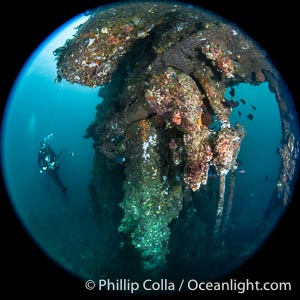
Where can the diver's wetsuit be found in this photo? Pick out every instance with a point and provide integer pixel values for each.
(47, 162)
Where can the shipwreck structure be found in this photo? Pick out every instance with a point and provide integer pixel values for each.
(163, 127)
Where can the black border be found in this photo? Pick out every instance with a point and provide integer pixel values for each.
(26, 270)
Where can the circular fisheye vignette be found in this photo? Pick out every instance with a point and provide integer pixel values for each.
(186, 68)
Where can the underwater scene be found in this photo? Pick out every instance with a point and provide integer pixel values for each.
(157, 141)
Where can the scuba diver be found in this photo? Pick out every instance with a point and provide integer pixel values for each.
(47, 161)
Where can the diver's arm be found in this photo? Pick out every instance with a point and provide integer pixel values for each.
(40, 158)
(60, 153)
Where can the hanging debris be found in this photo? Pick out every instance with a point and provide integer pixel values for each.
(226, 149)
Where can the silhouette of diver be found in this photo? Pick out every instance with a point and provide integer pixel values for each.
(47, 161)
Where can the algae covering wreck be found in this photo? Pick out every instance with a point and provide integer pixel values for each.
(162, 70)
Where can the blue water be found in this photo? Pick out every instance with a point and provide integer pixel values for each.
(36, 108)
(258, 153)
(60, 109)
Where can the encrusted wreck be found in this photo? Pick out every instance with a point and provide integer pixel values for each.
(163, 69)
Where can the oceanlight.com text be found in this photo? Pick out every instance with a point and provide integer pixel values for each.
(186, 284)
